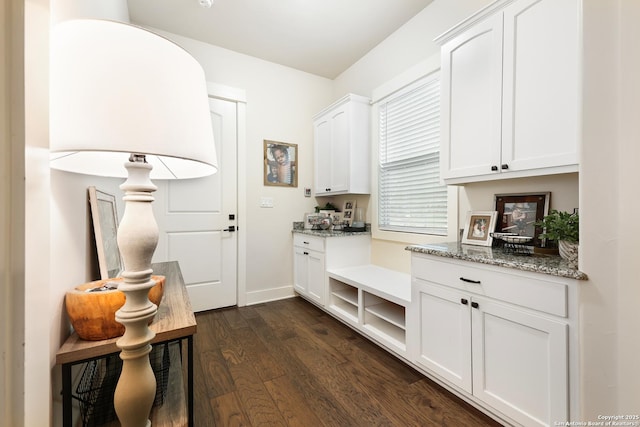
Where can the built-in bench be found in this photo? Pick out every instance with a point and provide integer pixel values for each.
(372, 299)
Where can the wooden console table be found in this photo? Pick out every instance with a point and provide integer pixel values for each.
(174, 321)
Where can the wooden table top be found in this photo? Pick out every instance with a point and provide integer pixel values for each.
(175, 319)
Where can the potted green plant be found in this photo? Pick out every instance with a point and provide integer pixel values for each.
(563, 228)
(328, 207)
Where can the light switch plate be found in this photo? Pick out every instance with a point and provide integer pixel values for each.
(266, 202)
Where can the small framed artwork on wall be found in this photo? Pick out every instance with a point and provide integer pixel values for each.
(280, 164)
(478, 228)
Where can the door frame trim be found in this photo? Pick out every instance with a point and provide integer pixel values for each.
(228, 93)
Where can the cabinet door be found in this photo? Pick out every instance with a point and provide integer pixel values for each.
(471, 101)
(520, 363)
(316, 277)
(323, 152)
(541, 84)
(340, 149)
(300, 270)
(444, 332)
(332, 143)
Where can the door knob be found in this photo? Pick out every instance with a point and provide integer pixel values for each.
(231, 228)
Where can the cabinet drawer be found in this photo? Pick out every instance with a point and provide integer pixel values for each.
(542, 293)
(310, 242)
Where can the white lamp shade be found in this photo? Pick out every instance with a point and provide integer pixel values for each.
(118, 89)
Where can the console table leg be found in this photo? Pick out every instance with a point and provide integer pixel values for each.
(67, 415)
(190, 377)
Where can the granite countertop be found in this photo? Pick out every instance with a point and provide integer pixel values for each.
(537, 263)
(330, 233)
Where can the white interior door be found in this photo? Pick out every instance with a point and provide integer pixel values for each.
(199, 215)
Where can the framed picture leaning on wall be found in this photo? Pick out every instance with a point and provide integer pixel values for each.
(517, 213)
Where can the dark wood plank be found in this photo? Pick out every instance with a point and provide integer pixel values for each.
(291, 403)
(289, 363)
(256, 400)
(227, 410)
(305, 383)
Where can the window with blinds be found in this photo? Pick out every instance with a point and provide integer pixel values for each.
(410, 196)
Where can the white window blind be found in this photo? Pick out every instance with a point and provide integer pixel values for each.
(411, 198)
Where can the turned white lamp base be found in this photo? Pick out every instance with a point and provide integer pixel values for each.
(137, 240)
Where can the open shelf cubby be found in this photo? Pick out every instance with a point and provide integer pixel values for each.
(385, 319)
(344, 299)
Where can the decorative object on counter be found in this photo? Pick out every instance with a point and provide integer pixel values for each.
(513, 243)
(314, 220)
(308, 221)
(337, 221)
(347, 211)
(109, 107)
(280, 164)
(92, 307)
(497, 238)
(518, 213)
(564, 228)
(479, 227)
(325, 222)
(358, 219)
(104, 216)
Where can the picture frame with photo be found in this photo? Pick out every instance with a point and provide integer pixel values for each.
(478, 228)
(348, 208)
(280, 164)
(518, 213)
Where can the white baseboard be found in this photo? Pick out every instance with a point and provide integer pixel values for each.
(267, 295)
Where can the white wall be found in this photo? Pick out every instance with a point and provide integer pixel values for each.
(38, 348)
(12, 222)
(628, 207)
(608, 205)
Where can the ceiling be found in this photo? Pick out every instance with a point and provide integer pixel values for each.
(322, 37)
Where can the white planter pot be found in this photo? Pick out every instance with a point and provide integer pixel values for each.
(568, 251)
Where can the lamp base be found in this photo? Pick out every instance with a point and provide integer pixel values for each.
(137, 240)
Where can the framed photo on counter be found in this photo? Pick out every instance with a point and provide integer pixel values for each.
(347, 211)
(478, 228)
(517, 213)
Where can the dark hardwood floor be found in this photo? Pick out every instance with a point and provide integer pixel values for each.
(287, 363)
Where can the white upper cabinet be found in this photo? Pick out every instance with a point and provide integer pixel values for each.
(342, 147)
(511, 92)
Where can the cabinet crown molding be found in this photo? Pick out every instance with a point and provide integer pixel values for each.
(348, 97)
(472, 20)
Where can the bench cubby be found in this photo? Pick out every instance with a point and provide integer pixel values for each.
(373, 300)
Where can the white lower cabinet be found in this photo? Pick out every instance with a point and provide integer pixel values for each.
(309, 273)
(473, 329)
(520, 363)
(313, 255)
